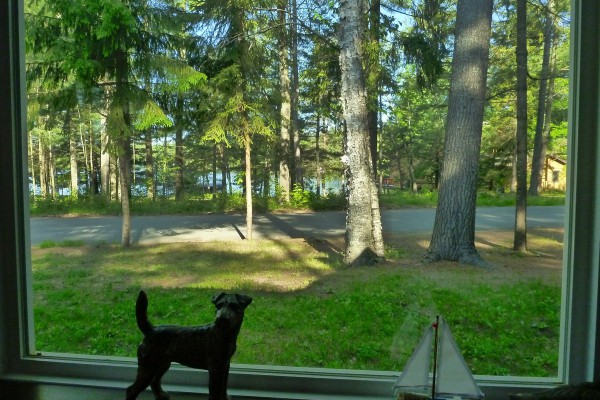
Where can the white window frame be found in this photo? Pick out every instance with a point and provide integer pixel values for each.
(579, 344)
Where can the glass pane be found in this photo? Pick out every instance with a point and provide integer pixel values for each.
(119, 81)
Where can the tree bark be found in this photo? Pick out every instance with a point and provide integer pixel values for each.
(318, 155)
(453, 235)
(373, 78)
(215, 155)
(295, 95)
(105, 175)
(537, 162)
(52, 171)
(149, 165)
(285, 112)
(94, 167)
(364, 241)
(124, 142)
(248, 163)
(224, 169)
(43, 166)
(179, 163)
(31, 166)
(520, 236)
(72, 155)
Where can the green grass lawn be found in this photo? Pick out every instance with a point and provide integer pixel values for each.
(308, 309)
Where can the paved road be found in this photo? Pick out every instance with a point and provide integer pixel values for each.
(175, 228)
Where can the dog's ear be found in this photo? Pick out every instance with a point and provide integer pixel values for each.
(243, 300)
(215, 299)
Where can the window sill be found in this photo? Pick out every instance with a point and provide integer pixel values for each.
(64, 378)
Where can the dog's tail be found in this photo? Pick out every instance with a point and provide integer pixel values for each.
(141, 313)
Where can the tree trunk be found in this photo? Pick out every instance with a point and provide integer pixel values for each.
(124, 191)
(295, 130)
(224, 169)
(43, 167)
(124, 143)
(31, 166)
(248, 162)
(74, 173)
(85, 142)
(149, 166)
(547, 122)
(453, 235)
(105, 176)
(373, 78)
(115, 193)
(88, 152)
(179, 164)
(95, 168)
(52, 171)
(520, 237)
(318, 155)
(537, 162)
(364, 241)
(285, 113)
(214, 171)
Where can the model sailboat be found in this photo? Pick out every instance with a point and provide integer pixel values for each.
(449, 378)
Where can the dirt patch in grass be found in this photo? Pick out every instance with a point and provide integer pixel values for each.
(542, 262)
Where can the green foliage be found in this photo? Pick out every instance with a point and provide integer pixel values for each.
(332, 201)
(404, 198)
(151, 115)
(66, 205)
(301, 198)
(48, 244)
(205, 69)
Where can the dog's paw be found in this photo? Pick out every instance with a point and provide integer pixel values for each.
(162, 396)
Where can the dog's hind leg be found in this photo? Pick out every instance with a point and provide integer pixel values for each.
(159, 371)
(142, 381)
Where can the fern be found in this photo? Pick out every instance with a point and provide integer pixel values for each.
(151, 115)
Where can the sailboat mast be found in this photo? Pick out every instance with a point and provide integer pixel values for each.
(435, 355)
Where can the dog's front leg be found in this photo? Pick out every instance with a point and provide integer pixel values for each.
(217, 384)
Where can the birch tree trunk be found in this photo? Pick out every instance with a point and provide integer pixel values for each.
(364, 240)
(453, 235)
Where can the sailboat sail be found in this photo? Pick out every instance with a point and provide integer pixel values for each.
(453, 377)
(415, 377)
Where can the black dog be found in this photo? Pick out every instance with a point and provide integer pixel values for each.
(207, 347)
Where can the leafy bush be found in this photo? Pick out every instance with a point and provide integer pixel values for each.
(301, 198)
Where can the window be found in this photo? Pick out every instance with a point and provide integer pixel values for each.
(579, 344)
